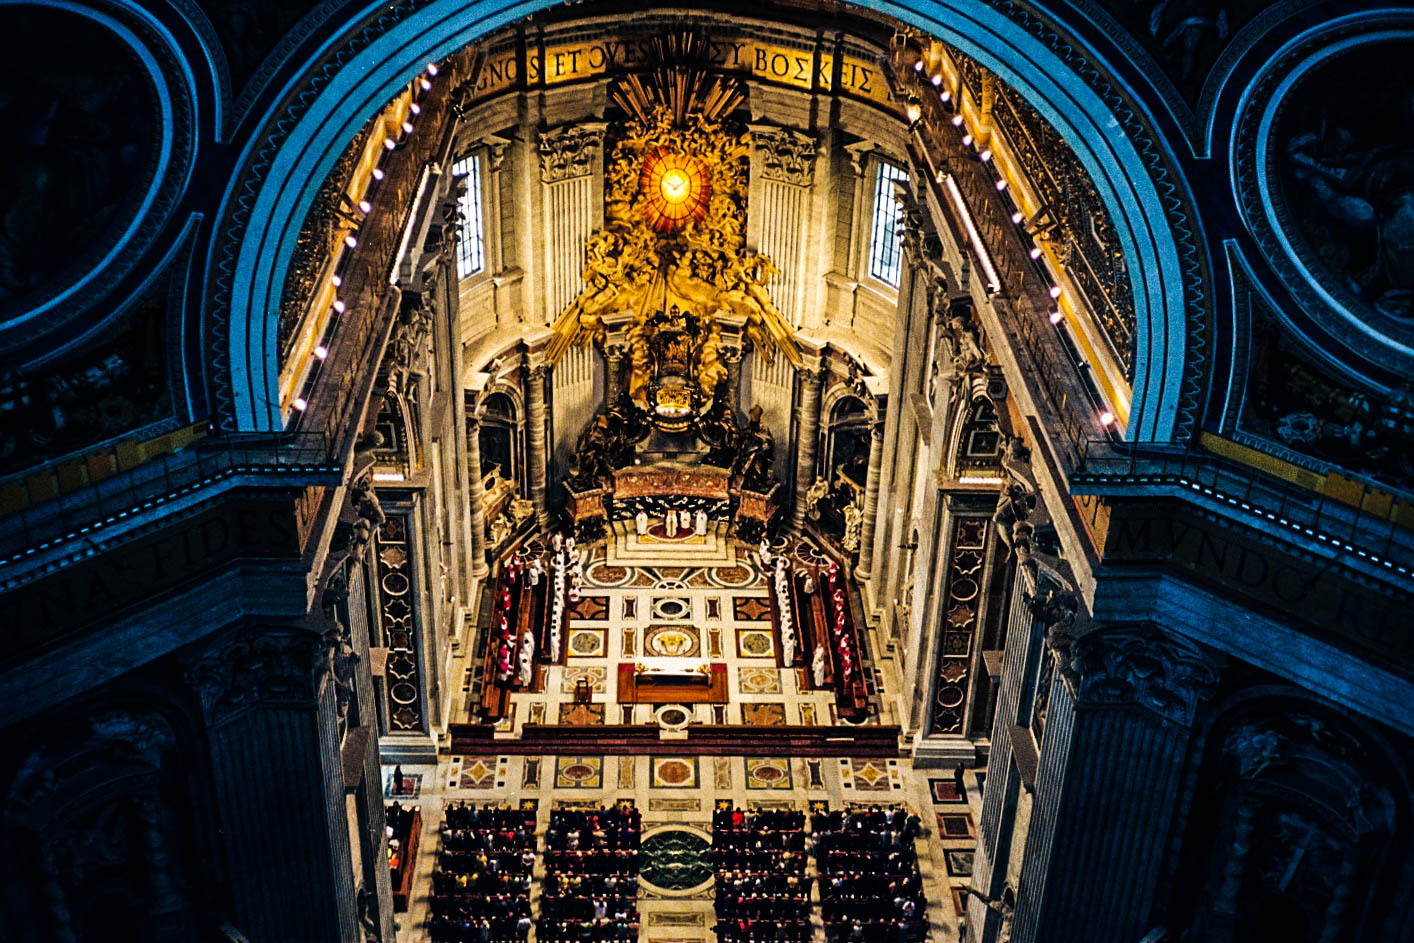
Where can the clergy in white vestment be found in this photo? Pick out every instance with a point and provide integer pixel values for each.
(699, 523)
(640, 523)
(817, 666)
(670, 523)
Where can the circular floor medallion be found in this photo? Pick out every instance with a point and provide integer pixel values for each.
(671, 607)
(673, 716)
(732, 577)
(674, 772)
(671, 641)
(768, 774)
(578, 772)
(675, 859)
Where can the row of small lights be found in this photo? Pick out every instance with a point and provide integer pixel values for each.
(423, 83)
(1018, 218)
(1217, 495)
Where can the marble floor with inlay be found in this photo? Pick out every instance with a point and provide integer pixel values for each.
(714, 608)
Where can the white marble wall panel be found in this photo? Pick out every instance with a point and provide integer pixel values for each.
(784, 211)
(576, 392)
(569, 218)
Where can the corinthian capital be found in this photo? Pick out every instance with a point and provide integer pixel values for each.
(1166, 675)
(268, 669)
(567, 152)
(786, 156)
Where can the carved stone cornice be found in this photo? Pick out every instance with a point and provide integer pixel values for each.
(567, 152)
(786, 156)
(1141, 668)
(280, 668)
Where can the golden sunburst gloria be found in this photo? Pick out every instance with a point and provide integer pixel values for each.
(675, 189)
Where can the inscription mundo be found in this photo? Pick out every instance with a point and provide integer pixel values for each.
(1312, 593)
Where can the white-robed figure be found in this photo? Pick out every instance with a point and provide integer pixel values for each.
(640, 522)
(533, 574)
(765, 552)
(699, 523)
(817, 666)
(670, 522)
(527, 660)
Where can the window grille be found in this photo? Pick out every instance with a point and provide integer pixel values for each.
(471, 245)
(886, 241)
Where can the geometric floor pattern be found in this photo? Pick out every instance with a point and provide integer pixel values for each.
(705, 600)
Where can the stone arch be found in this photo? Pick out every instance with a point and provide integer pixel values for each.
(265, 207)
(95, 817)
(1278, 768)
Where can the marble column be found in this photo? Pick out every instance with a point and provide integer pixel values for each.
(535, 438)
(1107, 787)
(614, 379)
(476, 498)
(268, 704)
(812, 381)
(871, 502)
(732, 356)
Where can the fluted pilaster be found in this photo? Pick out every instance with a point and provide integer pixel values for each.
(1116, 745)
(277, 785)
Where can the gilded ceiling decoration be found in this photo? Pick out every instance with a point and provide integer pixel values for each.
(672, 254)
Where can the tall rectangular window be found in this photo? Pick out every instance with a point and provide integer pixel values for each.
(471, 244)
(886, 239)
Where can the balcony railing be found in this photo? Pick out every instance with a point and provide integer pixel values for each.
(89, 513)
(1344, 523)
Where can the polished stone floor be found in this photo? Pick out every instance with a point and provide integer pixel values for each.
(694, 597)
